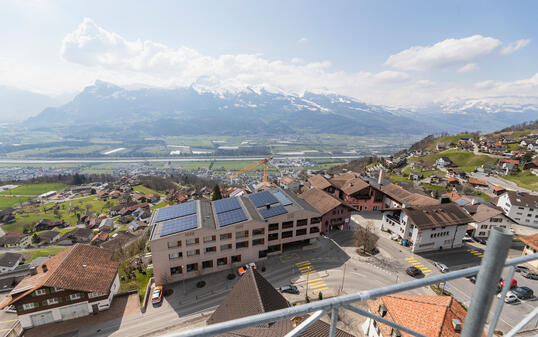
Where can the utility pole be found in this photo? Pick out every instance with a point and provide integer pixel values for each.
(343, 278)
(307, 277)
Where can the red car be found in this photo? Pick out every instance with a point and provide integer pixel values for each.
(512, 285)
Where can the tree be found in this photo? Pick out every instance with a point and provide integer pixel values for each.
(35, 238)
(88, 207)
(216, 193)
(365, 237)
(320, 296)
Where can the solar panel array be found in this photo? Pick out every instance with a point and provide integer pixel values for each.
(225, 205)
(178, 225)
(272, 211)
(282, 199)
(176, 211)
(263, 199)
(231, 217)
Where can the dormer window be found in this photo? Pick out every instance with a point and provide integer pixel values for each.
(382, 310)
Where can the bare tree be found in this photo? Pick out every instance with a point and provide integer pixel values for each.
(365, 237)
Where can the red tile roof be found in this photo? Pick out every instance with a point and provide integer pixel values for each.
(477, 182)
(531, 240)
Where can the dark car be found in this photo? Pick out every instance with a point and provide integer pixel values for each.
(523, 293)
(413, 271)
(472, 278)
(529, 274)
(289, 289)
(519, 268)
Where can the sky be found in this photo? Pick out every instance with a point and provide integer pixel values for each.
(399, 53)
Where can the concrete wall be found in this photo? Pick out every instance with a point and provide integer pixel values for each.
(440, 238)
(483, 229)
(339, 216)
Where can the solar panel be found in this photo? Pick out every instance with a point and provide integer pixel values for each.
(176, 211)
(272, 211)
(231, 217)
(225, 205)
(178, 225)
(263, 199)
(282, 199)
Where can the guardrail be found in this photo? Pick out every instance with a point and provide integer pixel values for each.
(488, 275)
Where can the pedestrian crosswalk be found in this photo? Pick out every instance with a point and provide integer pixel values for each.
(425, 270)
(476, 253)
(315, 284)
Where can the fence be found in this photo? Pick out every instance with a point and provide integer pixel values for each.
(488, 275)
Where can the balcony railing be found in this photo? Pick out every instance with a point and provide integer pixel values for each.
(488, 272)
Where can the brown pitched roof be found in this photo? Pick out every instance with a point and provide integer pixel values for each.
(321, 200)
(523, 199)
(483, 212)
(531, 240)
(319, 181)
(9, 259)
(80, 267)
(252, 295)
(428, 315)
(122, 239)
(399, 194)
(435, 216)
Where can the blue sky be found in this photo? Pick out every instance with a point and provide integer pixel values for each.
(394, 53)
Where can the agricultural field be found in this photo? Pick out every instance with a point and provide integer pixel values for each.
(35, 189)
(466, 161)
(7, 202)
(447, 140)
(35, 253)
(144, 190)
(525, 179)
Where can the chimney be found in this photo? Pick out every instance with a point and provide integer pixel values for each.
(44, 266)
(381, 177)
(33, 271)
(456, 323)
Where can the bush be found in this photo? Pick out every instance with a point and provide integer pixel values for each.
(320, 296)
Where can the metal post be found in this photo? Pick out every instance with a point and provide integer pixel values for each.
(507, 284)
(334, 320)
(523, 322)
(306, 323)
(491, 267)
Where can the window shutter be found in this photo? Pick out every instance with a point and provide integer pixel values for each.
(60, 300)
(20, 308)
(44, 302)
(36, 304)
(47, 291)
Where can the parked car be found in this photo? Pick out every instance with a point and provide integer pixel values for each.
(472, 278)
(243, 269)
(523, 293)
(529, 274)
(413, 271)
(519, 268)
(290, 289)
(466, 237)
(157, 296)
(513, 284)
(510, 297)
(442, 267)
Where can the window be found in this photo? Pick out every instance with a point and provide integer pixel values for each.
(302, 222)
(193, 252)
(211, 249)
(481, 233)
(241, 234)
(315, 220)
(210, 238)
(191, 242)
(300, 232)
(222, 261)
(273, 236)
(258, 242)
(243, 244)
(287, 234)
(273, 227)
(172, 244)
(192, 267)
(484, 227)
(314, 230)
(94, 295)
(174, 256)
(207, 264)
(176, 270)
(287, 224)
(274, 248)
(226, 236)
(236, 258)
(28, 306)
(259, 231)
(262, 254)
(57, 290)
(226, 246)
(75, 296)
(40, 292)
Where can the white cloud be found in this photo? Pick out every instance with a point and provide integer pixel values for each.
(451, 52)
(302, 40)
(468, 68)
(514, 46)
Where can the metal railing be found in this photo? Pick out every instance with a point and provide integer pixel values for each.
(488, 275)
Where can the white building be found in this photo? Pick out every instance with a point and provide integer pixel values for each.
(76, 282)
(485, 218)
(428, 228)
(520, 206)
(443, 162)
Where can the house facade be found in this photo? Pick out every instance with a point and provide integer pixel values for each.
(443, 162)
(531, 247)
(485, 218)
(336, 214)
(202, 237)
(76, 282)
(520, 206)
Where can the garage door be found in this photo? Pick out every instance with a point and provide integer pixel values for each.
(42, 318)
(74, 311)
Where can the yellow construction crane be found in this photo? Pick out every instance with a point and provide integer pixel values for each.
(264, 161)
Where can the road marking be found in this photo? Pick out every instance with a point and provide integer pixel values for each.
(409, 258)
(314, 280)
(317, 286)
(320, 289)
(418, 265)
(315, 283)
(309, 272)
(305, 267)
(303, 263)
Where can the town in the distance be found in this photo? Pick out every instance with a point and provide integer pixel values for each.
(154, 252)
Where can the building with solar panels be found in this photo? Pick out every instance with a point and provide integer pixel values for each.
(202, 237)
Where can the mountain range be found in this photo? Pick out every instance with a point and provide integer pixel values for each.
(190, 111)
